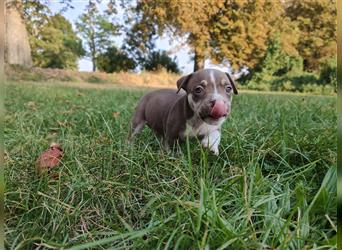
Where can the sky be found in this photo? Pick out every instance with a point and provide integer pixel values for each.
(177, 48)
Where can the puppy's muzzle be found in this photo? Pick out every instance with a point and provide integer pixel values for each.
(219, 109)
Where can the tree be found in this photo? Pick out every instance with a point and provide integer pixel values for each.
(115, 60)
(240, 31)
(36, 14)
(275, 64)
(139, 42)
(158, 60)
(56, 44)
(236, 31)
(155, 18)
(48, 50)
(316, 21)
(96, 30)
(328, 71)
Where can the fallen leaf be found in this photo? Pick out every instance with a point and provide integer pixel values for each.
(6, 156)
(62, 123)
(54, 175)
(116, 114)
(49, 158)
(72, 109)
(31, 105)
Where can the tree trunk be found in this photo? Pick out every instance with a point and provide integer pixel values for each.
(17, 47)
(198, 60)
(93, 52)
(2, 39)
(94, 63)
(93, 58)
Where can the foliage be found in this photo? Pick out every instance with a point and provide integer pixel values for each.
(237, 32)
(240, 31)
(114, 60)
(281, 72)
(140, 36)
(97, 30)
(229, 32)
(158, 60)
(234, 32)
(35, 14)
(328, 72)
(52, 40)
(56, 44)
(154, 18)
(304, 82)
(272, 187)
(274, 66)
(276, 62)
(318, 89)
(316, 21)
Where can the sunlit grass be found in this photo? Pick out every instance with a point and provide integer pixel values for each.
(272, 186)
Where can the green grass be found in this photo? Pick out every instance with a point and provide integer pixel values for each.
(272, 186)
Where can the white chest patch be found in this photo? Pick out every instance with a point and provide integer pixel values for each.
(211, 133)
(194, 128)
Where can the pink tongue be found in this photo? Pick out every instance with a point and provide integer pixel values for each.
(219, 110)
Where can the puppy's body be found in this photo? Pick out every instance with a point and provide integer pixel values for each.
(157, 109)
(199, 112)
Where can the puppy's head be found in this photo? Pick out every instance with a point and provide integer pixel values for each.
(209, 93)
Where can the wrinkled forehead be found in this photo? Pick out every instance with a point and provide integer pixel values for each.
(210, 76)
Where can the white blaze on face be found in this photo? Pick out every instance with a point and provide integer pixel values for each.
(215, 95)
(212, 79)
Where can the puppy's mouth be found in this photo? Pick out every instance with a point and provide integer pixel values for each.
(211, 119)
(214, 116)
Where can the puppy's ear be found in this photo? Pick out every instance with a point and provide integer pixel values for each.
(183, 82)
(232, 82)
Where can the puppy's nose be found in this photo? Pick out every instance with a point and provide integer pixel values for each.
(212, 103)
(219, 109)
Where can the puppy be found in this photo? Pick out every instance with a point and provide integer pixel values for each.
(199, 112)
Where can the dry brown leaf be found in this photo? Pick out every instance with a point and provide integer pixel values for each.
(49, 158)
(31, 105)
(62, 123)
(6, 156)
(116, 114)
(54, 175)
(72, 109)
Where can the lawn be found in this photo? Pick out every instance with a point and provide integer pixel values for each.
(272, 186)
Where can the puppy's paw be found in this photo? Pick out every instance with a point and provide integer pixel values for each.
(215, 151)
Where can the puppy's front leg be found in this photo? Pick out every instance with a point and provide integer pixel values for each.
(167, 144)
(172, 146)
(212, 141)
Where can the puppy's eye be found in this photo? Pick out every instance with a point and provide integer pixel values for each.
(228, 89)
(198, 90)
